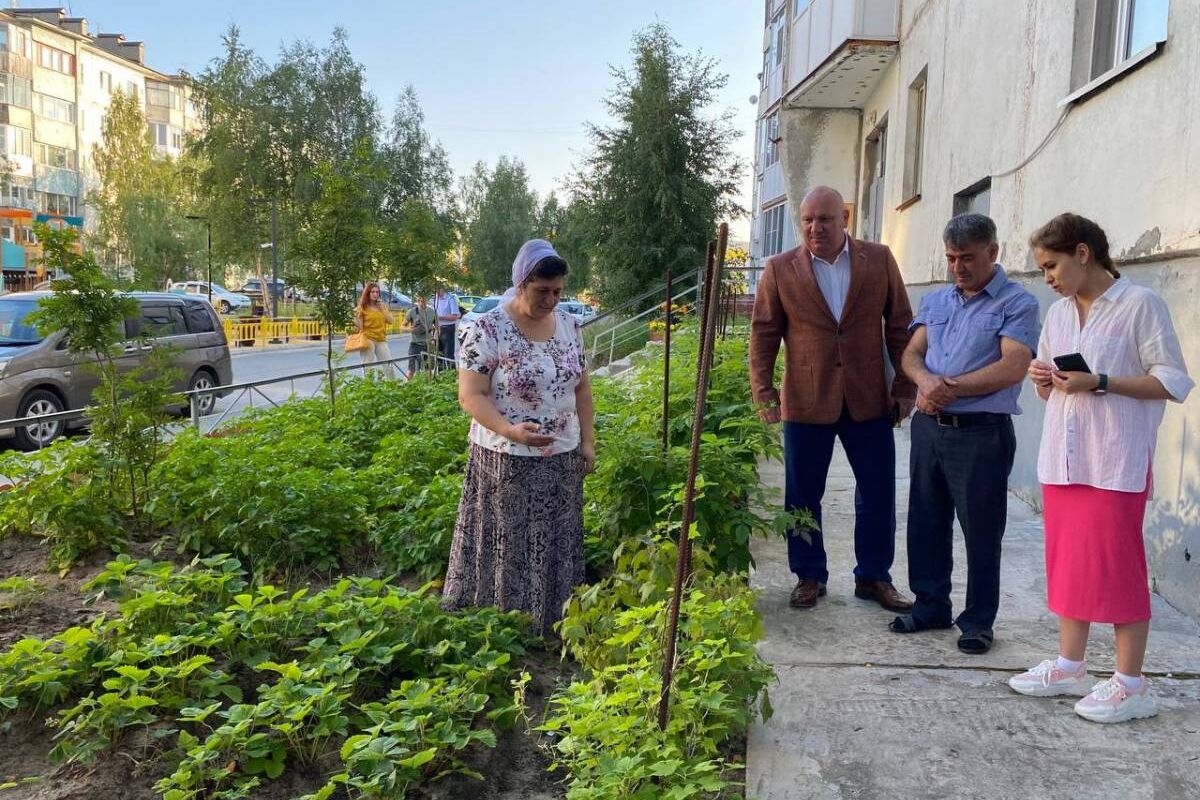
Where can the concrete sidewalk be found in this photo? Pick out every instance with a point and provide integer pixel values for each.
(861, 712)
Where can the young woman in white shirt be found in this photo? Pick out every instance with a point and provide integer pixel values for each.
(1095, 458)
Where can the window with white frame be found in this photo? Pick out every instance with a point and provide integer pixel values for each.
(158, 94)
(60, 205)
(778, 51)
(55, 157)
(17, 193)
(16, 141)
(975, 199)
(54, 108)
(773, 220)
(106, 81)
(15, 91)
(176, 139)
(914, 138)
(55, 59)
(158, 133)
(1111, 32)
(769, 141)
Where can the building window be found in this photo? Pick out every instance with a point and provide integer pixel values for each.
(975, 199)
(131, 89)
(158, 133)
(773, 220)
(778, 48)
(16, 141)
(55, 157)
(176, 139)
(17, 231)
(60, 205)
(17, 193)
(1111, 32)
(15, 91)
(769, 153)
(14, 40)
(875, 182)
(55, 59)
(158, 94)
(106, 81)
(914, 138)
(53, 108)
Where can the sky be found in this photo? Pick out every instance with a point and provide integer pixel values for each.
(513, 77)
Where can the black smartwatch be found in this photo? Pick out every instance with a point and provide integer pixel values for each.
(1102, 386)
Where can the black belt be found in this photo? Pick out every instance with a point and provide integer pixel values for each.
(968, 420)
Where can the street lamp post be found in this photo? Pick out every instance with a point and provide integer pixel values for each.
(208, 226)
(274, 201)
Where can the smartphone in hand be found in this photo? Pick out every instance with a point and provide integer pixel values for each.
(1072, 362)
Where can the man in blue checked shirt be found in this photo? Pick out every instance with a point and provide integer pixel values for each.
(971, 346)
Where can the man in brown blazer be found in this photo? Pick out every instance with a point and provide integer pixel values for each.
(834, 302)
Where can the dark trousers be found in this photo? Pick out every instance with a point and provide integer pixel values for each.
(446, 344)
(871, 448)
(961, 471)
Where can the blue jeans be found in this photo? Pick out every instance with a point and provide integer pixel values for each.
(871, 448)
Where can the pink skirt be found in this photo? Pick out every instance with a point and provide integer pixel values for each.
(1095, 553)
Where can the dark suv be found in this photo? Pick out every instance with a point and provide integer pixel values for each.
(38, 375)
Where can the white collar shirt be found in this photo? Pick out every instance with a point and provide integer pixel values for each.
(446, 305)
(833, 278)
(1107, 441)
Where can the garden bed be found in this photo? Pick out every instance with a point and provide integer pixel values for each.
(298, 500)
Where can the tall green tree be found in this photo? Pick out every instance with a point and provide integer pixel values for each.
(142, 200)
(506, 218)
(417, 167)
(657, 181)
(269, 129)
(417, 201)
(340, 243)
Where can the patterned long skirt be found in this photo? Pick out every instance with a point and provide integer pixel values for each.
(518, 541)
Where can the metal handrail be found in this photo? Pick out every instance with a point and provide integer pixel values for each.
(655, 292)
(622, 328)
(191, 394)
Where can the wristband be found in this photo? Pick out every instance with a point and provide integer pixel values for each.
(1102, 386)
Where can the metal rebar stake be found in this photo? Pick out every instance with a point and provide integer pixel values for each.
(683, 552)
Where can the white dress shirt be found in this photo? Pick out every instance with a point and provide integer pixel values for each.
(1107, 441)
(834, 278)
(445, 306)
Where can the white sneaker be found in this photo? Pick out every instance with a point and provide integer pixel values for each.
(1048, 679)
(1112, 701)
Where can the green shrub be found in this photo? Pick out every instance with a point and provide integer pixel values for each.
(63, 494)
(606, 724)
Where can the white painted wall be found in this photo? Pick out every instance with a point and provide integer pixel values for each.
(1128, 157)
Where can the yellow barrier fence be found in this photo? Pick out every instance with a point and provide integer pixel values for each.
(259, 331)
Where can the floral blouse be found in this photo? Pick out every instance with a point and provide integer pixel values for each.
(531, 381)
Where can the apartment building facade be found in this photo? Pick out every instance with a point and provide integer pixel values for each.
(56, 82)
(921, 109)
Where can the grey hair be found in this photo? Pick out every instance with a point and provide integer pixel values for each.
(966, 229)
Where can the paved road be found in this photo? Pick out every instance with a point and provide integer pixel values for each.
(257, 365)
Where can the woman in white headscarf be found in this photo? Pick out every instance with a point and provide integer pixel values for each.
(518, 541)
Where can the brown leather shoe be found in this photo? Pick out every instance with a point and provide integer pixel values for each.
(884, 593)
(806, 593)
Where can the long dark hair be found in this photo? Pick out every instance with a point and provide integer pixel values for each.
(1066, 232)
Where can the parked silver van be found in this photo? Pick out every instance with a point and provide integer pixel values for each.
(39, 376)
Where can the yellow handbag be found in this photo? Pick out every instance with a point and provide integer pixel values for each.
(356, 342)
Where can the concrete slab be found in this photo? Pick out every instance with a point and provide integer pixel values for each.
(864, 713)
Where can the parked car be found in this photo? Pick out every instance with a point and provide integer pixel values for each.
(577, 309)
(223, 300)
(253, 288)
(466, 302)
(480, 307)
(38, 375)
